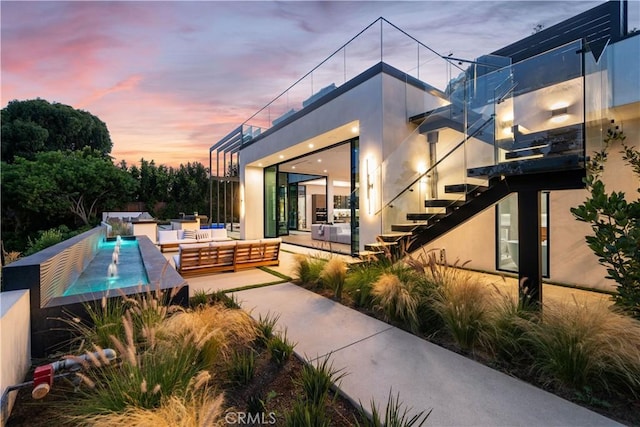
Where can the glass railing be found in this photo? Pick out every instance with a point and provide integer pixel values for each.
(543, 115)
(381, 41)
(527, 111)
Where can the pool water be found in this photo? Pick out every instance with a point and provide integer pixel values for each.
(94, 278)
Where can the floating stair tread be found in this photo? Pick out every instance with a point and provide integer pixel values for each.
(410, 227)
(394, 237)
(421, 216)
(465, 188)
(398, 234)
(443, 203)
(523, 167)
(380, 244)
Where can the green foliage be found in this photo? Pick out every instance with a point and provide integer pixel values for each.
(152, 376)
(462, 303)
(224, 299)
(316, 380)
(307, 414)
(333, 275)
(266, 327)
(61, 188)
(359, 282)
(32, 126)
(308, 270)
(398, 299)
(578, 345)
(257, 405)
(241, 367)
(615, 223)
(45, 239)
(506, 325)
(395, 415)
(280, 349)
(200, 298)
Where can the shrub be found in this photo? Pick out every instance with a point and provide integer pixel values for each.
(615, 223)
(199, 299)
(398, 300)
(395, 415)
(280, 349)
(462, 303)
(507, 323)
(587, 344)
(199, 407)
(241, 367)
(333, 275)
(213, 328)
(45, 239)
(306, 414)
(359, 283)
(307, 270)
(266, 327)
(224, 299)
(316, 380)
(144, 378)
(11, 256)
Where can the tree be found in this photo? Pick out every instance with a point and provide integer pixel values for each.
(31, 126)
(615, 222)
(56, 187)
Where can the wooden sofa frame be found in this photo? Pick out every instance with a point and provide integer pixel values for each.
(194, 259)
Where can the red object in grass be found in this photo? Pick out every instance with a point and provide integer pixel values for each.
(42, 381)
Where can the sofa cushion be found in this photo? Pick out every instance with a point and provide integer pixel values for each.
(219, 234)
(272, 240)
(193, 245)
(167, 236)
(223, 243)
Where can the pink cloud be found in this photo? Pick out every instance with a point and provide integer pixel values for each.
(129, 84)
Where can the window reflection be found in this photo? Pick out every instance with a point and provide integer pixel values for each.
(508, 242)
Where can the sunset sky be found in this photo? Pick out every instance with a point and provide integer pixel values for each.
(171, 78)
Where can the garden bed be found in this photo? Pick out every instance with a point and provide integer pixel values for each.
(247, 369)
(584, 353)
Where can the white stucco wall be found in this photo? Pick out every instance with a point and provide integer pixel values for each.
(15, 336)
(381, 106)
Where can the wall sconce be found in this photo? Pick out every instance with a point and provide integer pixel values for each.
(507, 127)
(559, 115)
(369, 188)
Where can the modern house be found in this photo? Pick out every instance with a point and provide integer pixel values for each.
(481, 158)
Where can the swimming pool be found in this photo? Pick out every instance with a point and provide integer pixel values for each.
(130, 269)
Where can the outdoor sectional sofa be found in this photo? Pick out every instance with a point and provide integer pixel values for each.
(201, 258)
(171, 239)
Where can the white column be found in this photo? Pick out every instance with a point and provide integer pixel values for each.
(329, 199)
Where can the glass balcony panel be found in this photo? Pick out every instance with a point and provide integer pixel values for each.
(597, 101)
(539, 107)
(362, 52)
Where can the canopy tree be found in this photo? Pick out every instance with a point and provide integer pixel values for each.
(59, 187)
(31, 126)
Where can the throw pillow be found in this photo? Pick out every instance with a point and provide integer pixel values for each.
(189, 234)
(203, 235)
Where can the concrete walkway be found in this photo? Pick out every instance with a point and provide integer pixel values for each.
(379, 358)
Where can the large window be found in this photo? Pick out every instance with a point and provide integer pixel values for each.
(507, 238)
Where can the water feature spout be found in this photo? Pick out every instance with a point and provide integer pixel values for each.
(114, 257)
(112, 270)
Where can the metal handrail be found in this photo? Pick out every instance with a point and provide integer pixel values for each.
(460, 144)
